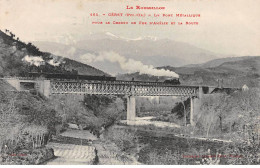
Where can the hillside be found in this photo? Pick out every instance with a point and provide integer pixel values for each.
(18, 58)
(234, 73)
(217, 62)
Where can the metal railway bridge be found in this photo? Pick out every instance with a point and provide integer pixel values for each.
(130, 89)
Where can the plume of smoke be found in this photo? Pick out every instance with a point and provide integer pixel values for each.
(56, 61)
(128, 65)
(53, 62)
(37, 60)
(34, 60)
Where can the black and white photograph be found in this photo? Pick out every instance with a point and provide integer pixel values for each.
(129, 82)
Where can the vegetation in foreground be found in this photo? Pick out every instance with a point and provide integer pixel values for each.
(232, 117)
(26, 122)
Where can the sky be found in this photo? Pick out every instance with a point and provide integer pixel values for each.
(228, 27)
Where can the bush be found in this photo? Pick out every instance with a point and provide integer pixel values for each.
(244, 154)
(26, 157)
(167, 158)
(179, 109)
(106, 110)
(124, 139)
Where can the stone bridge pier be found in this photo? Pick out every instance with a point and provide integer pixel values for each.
(131, 112)
(195, 102)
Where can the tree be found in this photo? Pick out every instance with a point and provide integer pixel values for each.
(181, 109)
(211, 111)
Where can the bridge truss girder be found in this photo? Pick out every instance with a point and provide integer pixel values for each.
(117, 88)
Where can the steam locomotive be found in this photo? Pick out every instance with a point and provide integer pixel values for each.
(172, 81)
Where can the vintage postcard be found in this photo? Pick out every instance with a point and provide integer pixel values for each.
(129, 82)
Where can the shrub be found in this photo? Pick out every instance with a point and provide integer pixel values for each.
(167, 158)
(27, 157)
(124, 139)
(244, 153)
(179, 108)
(110, 111)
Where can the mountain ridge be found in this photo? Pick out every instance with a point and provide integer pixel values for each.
(219, 61)
(149, 50)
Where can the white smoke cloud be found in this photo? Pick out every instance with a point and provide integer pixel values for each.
(34, 60)
(128, 65)
(37, 60)
(56, 61)
(53, 62)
